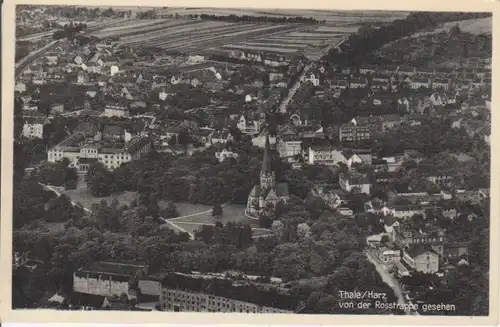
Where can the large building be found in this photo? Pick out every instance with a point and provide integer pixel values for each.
(351, 133)
(82, 150)
(264, 197)
(183, 293)
(33, 127)
(111, 279)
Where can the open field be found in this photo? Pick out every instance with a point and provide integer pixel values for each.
(474, 26)
(209, 37)
(327, 15)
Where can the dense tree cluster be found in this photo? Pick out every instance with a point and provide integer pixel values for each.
(358, 47)
(69, 31)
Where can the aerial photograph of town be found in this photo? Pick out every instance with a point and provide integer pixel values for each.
(252, 161)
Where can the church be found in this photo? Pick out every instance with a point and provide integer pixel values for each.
(265, 196)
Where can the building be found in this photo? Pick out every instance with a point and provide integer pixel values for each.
(264, 197)
(324, 154)
(404, 235)
(389, 256)
(33, 127)
(225, 154)
(221, 137)
(352, 133)
(116, 111)
(403, 211)
(183, 293)
(247, 126)
(82, 150)
(111, 279)
(355, 182)
(310, 77)
(421, 258)
(289, 146)
(353, 157)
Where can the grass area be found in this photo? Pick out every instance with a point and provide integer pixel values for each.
(83, 196)
(230, 213)
(185, 208)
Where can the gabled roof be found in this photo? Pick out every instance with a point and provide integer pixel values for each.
(415, 250)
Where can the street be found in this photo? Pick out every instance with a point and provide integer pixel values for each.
(389, 280)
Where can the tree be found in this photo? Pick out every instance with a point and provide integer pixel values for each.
(303, 231)
(278, 228)
(172, 141)
(217, 211)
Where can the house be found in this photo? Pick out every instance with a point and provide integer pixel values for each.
(113, 132)
(20, 87)
(247, 126)
(222, 137)
(116, 111)
(427, 72)
(311, 78)
(438, 99)
(78, 60)
(380, 86)
(414, 155)
(439, 179)
(441, 84)
(421, 258)
(367, 69)
(406, 71)
(324, 154)
(389, 69)
(387, 177)
(389, 256)
(454, 250)
(345, 211)
(33, 127)
(417, 83)
(357, 83)
(353, 157)
(403, 212)
(111, 279)
(289, 146)
(355, 182)
(202, 135)
(351, 133)
(225, 154)
(82, 77)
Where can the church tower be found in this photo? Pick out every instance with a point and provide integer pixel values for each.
(267, 178)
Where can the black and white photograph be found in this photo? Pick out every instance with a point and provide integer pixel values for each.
(257, 161)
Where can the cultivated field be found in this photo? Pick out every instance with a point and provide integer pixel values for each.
(191, 36)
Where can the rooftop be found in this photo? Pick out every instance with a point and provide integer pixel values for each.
(113, 268)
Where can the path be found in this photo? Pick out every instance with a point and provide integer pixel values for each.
(51, 188)
(389, 280)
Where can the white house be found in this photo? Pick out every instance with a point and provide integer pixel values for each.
(310, 77)
(355, 182)
(113, 70)
(33, 127)
(116, 111)
(224, 154)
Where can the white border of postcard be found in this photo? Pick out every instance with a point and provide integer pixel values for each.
(113, 317)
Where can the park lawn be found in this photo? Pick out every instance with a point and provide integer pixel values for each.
(230, 213)
(83, 196)
(185, 208)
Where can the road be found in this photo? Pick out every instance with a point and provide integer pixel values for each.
(284, 104)
(389, 280)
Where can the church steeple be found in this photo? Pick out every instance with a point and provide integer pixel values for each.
(266, 162)
(267, 178)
